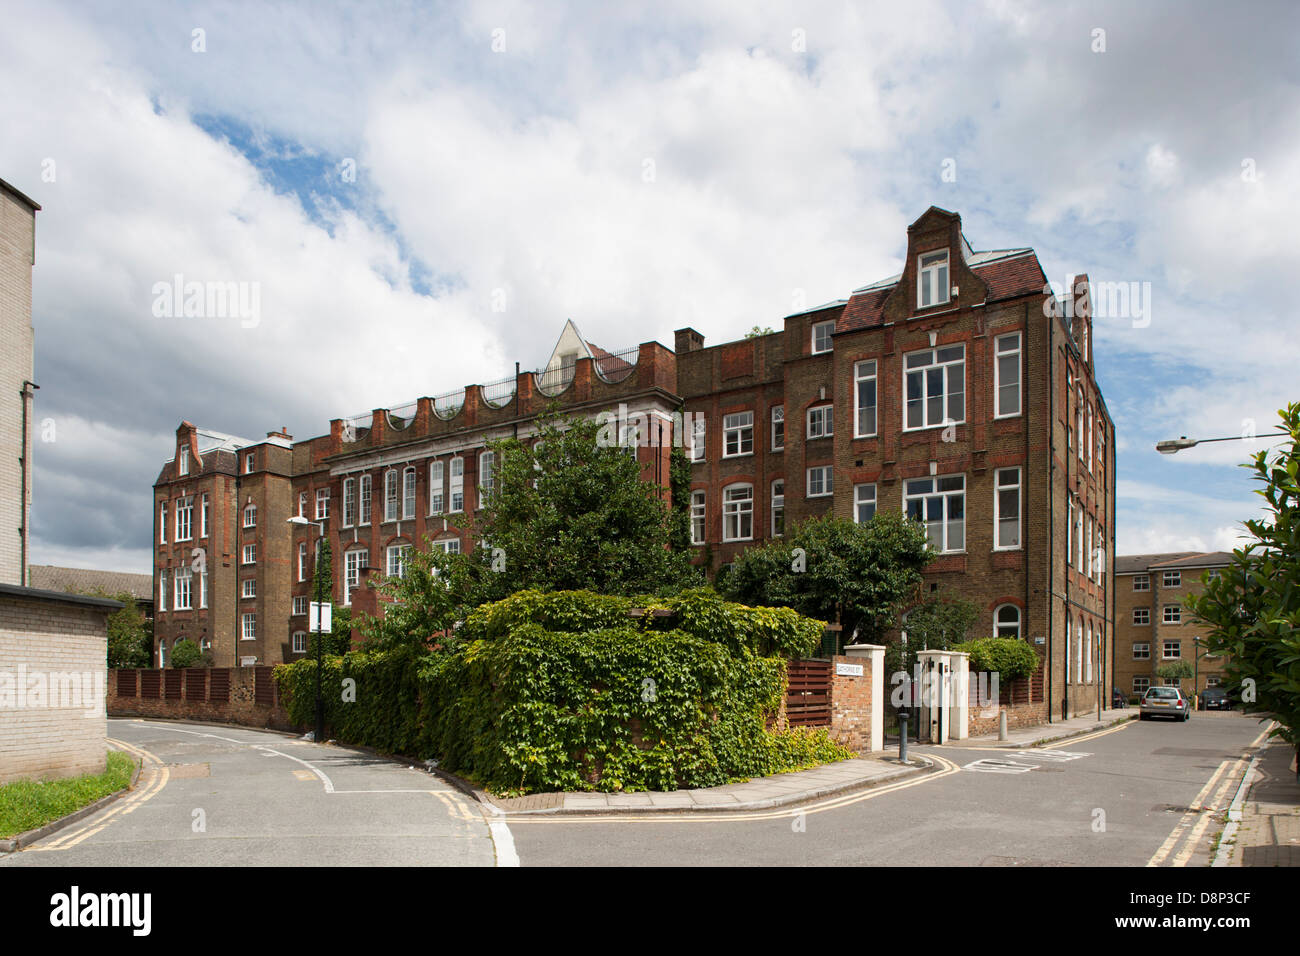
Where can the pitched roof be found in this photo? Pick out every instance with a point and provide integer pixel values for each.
(1140, 563)
(1204, 559)
(48, 577)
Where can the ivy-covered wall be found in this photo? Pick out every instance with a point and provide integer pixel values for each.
(569, 691)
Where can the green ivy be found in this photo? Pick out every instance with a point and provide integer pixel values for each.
(566, 691)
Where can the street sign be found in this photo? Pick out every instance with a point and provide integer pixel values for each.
(322, 614)
(848, 670)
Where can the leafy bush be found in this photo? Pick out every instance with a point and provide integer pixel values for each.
(565, 691)
(1009, 657)
(186, 654)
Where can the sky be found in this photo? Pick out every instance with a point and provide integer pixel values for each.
(421, 194)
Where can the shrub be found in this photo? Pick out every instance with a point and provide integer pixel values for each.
(1008, 657)
(186, 654)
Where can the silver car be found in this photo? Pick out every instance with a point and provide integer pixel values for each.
(1165, 702)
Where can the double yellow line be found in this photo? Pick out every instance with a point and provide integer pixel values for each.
(153, 777)
(1203, 810)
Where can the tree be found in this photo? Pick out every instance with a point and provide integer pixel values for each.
(185, 653)
(130, 641)
(836, 570)
(939, 622)
(1253, 607)
(569, 512)
(757, 330)
(1175, 670)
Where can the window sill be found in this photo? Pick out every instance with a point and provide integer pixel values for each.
(743, 454)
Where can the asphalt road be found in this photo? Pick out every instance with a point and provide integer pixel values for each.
(1122, 801)
(1141, 794)
(230, 796)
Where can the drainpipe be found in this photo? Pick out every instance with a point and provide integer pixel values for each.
(1051, 509)
(26, 447)
(1024, 491)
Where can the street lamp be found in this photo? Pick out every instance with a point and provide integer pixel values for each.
(318, 613)
(1173, 446)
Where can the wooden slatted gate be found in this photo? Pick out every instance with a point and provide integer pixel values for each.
(808, 694)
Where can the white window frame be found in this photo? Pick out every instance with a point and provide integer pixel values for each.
(864, 495)
(436, 500)
(250, 515)
(777, 508)
(448, 545)
(162, 589)
(1141, 684)
(1141, 617)
(1141, 650)
(248, 588)
(300, 603)
(738, 512)
(396, 558)
(1000, 519)
(699, 514)
(1078, 422)
(349, 502)
(932, 277)
(1006, 347)
(1165, 645)
(1171, 579)
(300, 642)
(1000, 626)
(203, 589)
(185, 519)
(945, 495)
(353, 562)
(302, 504)
(364, 503)
(392, 492)
(249, 555)
(204, 505)
(778, 426)
(826, 476)
(864, 372)
(456, 485)
(738, 430)
(184, 589)
(302, 560)
(1172, 614)
(408, 493)
(1088, 414)
(249, 461)
(322, 504)
(248, 626)
(487, 467)
(698, 437)
(1069, 531)
(913, 368)
(827, 327)
(183, 461)
(820, 422)
(1141, 582)
(162, 522)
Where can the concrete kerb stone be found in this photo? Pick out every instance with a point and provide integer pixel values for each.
(15, 843)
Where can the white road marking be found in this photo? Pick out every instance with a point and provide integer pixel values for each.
(993, 765)
(1055, 756)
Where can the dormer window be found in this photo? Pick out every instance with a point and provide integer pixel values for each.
(183, 461)
(821, 337)
(932, 279)
(248, 463)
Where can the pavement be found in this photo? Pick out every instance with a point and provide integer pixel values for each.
(1269, 831)
(789, 789)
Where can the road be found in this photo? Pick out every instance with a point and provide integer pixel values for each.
(231, 796)
(1142, 794)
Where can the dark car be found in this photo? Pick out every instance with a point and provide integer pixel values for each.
(1118, 699)
(1215, 698)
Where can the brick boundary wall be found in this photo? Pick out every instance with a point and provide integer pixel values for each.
(1018, 716)
(233, 695)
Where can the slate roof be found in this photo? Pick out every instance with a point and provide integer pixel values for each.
(1142, 563)
(48, 577)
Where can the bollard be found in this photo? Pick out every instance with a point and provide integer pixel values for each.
(1002, 724)
(902, 736)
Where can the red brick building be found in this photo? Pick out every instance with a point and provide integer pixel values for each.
(961, 391)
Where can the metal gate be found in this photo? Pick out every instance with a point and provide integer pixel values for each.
(808, 694)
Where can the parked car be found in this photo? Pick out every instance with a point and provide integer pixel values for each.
(1215, 698)
(1165, 702)
(1118, 699)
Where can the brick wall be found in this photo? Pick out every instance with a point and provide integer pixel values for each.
(17, 232)
(1018, 716)
(235, 695)
(43, 636)
(851, 703)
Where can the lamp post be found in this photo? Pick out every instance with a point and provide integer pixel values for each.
(1173, 446)
(318, 614)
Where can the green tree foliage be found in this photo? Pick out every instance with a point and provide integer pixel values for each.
(185, 653)
(758, 330)
(1253, 607)
(1175, 670)
(339, 638)
(322, 581)
(939, 622)
(832, 569)
(130, 639)
(572, 514)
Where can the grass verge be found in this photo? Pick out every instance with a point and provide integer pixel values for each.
(28, 804)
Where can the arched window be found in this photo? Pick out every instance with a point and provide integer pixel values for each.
(408, 493)
(1006, 621)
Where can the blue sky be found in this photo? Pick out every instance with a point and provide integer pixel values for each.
(703, 164)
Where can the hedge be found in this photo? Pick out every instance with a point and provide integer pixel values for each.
(565, 691)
